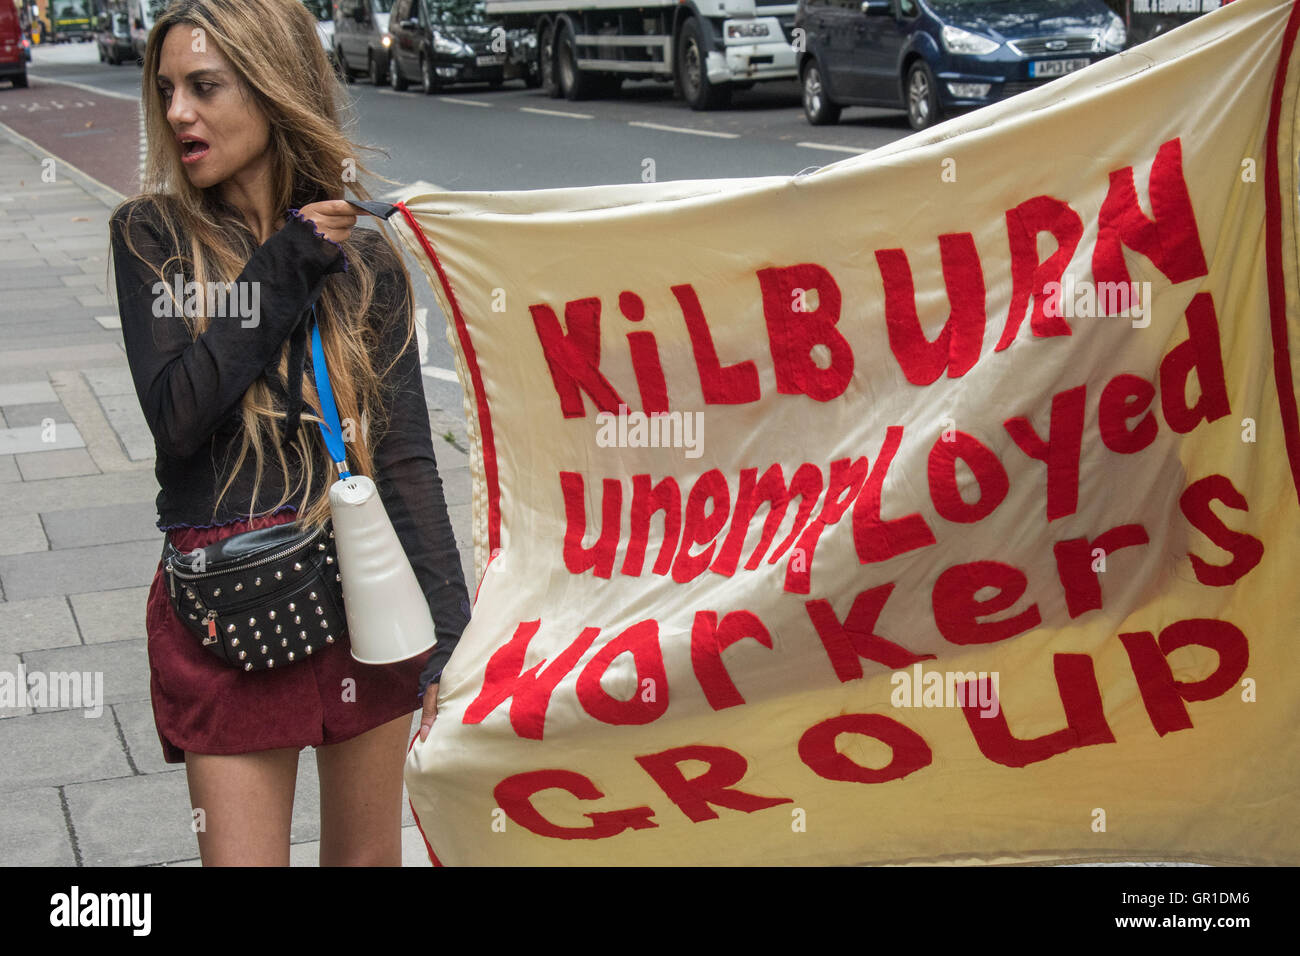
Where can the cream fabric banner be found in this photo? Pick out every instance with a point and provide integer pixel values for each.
(939, 505)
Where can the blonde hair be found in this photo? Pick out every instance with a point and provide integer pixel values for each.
(273, 48)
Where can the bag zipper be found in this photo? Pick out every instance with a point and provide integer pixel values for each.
(284, 552)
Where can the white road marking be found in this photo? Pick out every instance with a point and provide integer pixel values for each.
(442, 374)
(451, 99)
(537, 109)
(838, 149)
(134, 98)
(684, 129)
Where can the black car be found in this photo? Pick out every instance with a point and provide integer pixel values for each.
(361, 38)
(932, 57)
(440, 42)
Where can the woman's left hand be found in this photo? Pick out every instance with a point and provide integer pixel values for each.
(430, 711)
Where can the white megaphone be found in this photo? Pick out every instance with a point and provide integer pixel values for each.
(388, 615)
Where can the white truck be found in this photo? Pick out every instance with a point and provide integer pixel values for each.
(707, 48)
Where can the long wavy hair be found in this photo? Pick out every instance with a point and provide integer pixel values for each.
(273, 48)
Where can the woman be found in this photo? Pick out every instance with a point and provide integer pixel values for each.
(246, 167)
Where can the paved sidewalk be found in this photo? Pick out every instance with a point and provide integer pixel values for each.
(78, 547)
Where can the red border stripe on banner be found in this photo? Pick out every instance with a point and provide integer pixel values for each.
(480, 394)
(1273, 260)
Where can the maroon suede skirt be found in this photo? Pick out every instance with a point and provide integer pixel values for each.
(203, 705)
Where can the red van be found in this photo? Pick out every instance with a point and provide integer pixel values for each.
(13, 61)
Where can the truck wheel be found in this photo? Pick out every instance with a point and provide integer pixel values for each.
(692, 71)
(575, 84)
(817, 105)
(376, 78)
(340, 64)
(20, 81)
(550, 81)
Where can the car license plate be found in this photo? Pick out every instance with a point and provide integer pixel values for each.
(1042, 69)
(496, 60)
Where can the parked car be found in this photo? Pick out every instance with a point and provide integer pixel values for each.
(323, 11)
(933, 57)
(361, 38)
(440, 42)
(13, 58)
(114, 39)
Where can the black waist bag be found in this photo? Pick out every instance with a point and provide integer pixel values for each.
(261, 599)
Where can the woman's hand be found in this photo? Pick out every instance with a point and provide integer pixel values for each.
(333, 218)
(430, 711)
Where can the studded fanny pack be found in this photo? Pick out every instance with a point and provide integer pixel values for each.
(267, 598)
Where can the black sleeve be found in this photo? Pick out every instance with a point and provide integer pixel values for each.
(407, 472)
(189, 386)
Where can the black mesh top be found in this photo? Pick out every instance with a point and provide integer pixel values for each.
(190, 391)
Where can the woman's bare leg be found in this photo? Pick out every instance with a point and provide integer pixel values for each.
(361, 797)
(247, 804)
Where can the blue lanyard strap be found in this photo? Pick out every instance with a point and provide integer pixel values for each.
(330, 428)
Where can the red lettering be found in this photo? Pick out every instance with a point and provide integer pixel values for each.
(1201, 353)
(709, 639)
(957, 612)
(1085, 720)
(600, 556)
(574, 357)
(1074, 559)
(1125, 397)
(514, 796)
(1170, 240)
(641, 640)
(1029, 276)
(989, 474)
(958, 346)
(1162, 695)
(714, 786)
(1246, 550)
(702, 525)
(722, 384)
(849, 643)
(792, 334)
(817, 749)
(529, 690)
(1060, 452)
(664, 496)
(875, 538)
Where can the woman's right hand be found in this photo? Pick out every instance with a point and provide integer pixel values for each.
(333, 218)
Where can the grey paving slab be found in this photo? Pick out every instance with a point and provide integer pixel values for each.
(110, 380)
(94, 300)
(75, 570)
(44, 465)
(36, 624)
(3, 422)
(21, 533)
(13, 687)
(9, 469)
(109, 321)
(39, 439)
(457, 484)
(104, 616)
(57, 748)
(82, 491)
(20, 416)
(135, 718)
(120, 669)
(106, 524)
(33, 830)
(27, 393)
(68, 356)
(133, 821)
(123, 413)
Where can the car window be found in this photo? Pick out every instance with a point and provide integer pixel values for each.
(399, 11)
(383, 6)
(907, 8)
